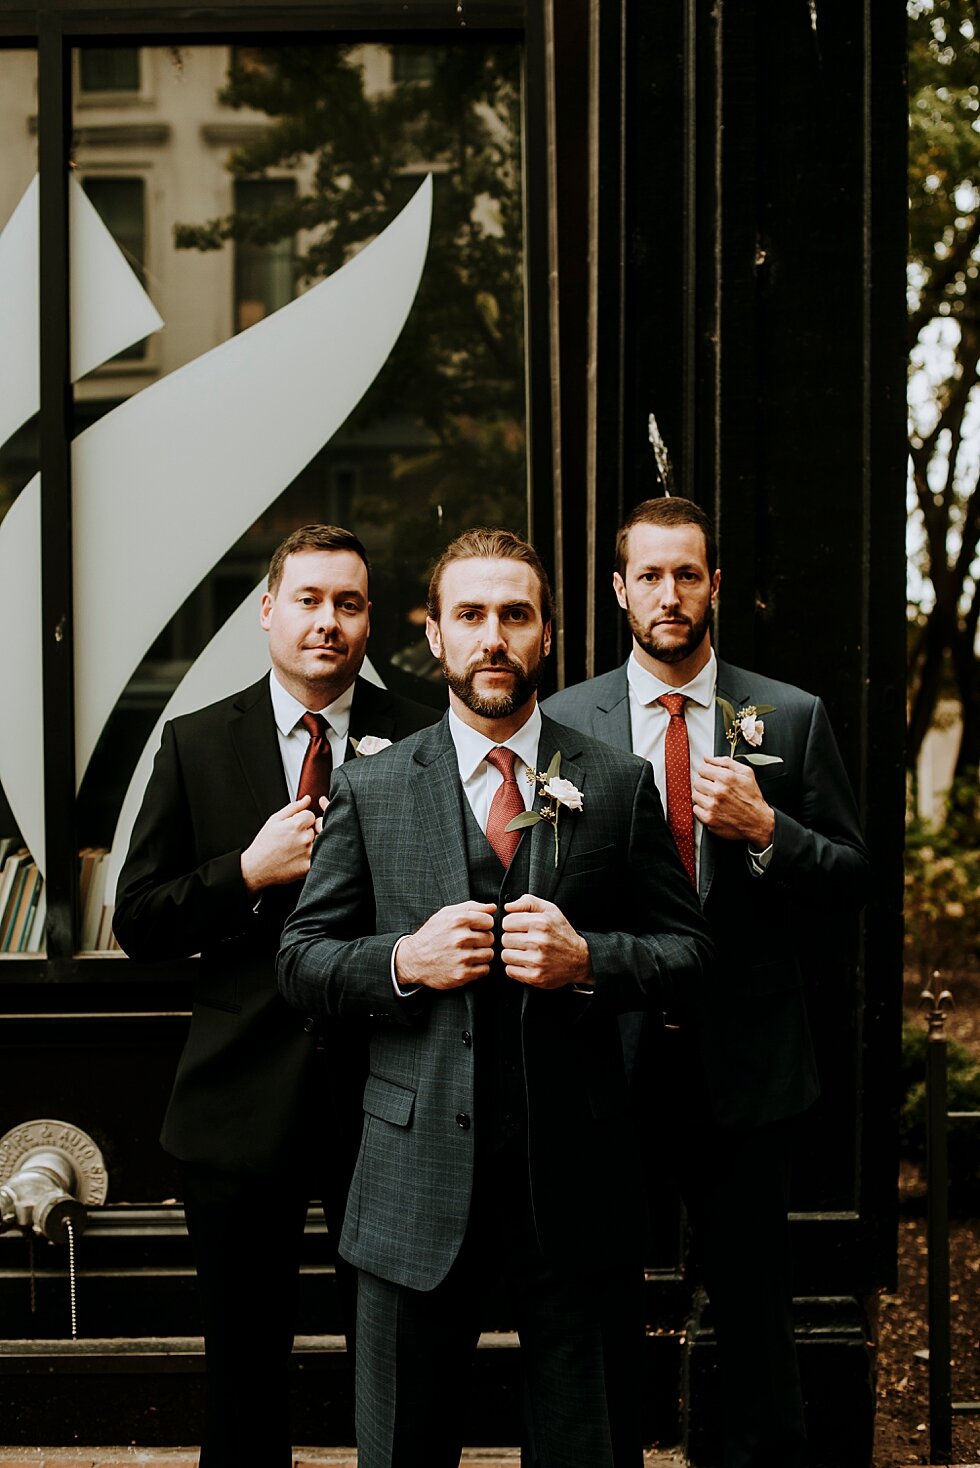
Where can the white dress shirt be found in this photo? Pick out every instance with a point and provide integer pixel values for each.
(293, 738)
(649, 720)
(481, 780)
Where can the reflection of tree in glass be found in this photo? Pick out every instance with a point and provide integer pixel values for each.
(458, 369)
(944, 294)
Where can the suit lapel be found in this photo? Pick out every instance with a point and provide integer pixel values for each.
(436, 788)
(729, 687)
(255, 743)
(372, 712)
(544, 873)
(611, 717)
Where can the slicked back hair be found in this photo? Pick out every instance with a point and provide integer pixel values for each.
(318, 538)
(490, 545)
(669, 512)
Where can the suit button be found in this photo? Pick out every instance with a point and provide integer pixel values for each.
(309, 1025)
(466, 1038)
(463, 1121)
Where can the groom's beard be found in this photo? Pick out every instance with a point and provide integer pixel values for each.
(665, 650)
(502, 704)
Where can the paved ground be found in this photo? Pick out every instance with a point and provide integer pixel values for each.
(305, 1458)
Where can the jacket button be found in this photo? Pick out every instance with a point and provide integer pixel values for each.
(466, 1038)
(309, 1025)
(462, 1120)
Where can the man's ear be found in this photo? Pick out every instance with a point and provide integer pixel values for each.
(715, 587)
(265, 610)
(434, 637)
(619, 587)
(546, 638)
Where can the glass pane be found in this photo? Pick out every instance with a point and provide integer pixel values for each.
(119, 203)
(266, 171)
(109, 69)
(21, 887)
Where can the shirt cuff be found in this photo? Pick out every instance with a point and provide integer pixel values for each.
(759, 860)
(402, 993)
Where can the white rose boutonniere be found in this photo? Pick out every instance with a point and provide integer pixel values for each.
(370, 744)
(746, 724)
(557, 793)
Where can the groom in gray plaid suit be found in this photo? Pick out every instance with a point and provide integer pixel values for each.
(490, 894)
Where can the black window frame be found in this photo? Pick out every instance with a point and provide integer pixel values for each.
(56, 29)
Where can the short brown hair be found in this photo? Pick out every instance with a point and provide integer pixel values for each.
(669, 510)
(314, 537)
(490, 545)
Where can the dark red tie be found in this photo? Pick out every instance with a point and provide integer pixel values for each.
(677, 766)
(314, 777)
(507, 803)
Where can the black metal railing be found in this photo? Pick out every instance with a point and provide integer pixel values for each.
(942, 1407)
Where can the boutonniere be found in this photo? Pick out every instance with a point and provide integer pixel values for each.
(746, 724)
(556, 793)
(369, 744)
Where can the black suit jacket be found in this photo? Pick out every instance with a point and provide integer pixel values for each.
(243, 1080)
(753, 1034)
(393, 852)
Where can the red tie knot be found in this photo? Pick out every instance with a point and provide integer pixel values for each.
(315, 725)
(502, 760)
(674, 704)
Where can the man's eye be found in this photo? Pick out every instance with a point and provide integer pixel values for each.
(469, 616)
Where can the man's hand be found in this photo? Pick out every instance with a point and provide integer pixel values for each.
(454, 947)
(318, 823)
(540, 946)
(727, 800)
(280, 852)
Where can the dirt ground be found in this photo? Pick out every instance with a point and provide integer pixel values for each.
(902, 1434)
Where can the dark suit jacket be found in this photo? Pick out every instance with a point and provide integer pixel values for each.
(754, 1038)
(238, 1101)
(394, 852)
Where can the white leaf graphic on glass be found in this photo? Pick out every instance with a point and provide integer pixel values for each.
(165, 483)
(110, 311)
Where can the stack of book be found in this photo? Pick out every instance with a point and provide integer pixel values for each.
(23, 908)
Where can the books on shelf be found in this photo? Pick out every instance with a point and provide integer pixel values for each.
(23, 902)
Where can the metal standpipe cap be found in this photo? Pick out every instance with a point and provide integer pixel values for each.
(56, 1211)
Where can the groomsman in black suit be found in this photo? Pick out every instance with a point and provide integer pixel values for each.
(266, 1105)
(489, 895)
(773, 846)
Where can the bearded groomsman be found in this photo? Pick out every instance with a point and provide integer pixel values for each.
(265, 1110)
(771, 842)
(489, 894)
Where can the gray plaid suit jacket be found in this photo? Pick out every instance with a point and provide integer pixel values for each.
(392, 853)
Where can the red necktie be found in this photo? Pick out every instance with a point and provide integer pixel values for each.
(507, 803)
(677, 765)
(314, 777)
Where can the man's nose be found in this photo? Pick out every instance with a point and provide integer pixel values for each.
(326, 617)
(493, 634)
(668, 592)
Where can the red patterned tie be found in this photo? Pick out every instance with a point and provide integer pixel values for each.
(677, 765)
(314, 777)
(507, 803)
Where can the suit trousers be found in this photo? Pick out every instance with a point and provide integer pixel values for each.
(246, 1233)
(581, 1340)
(736, 1189)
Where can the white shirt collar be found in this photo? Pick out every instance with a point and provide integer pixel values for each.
(288, 711)
(647, 687)
(472, 746)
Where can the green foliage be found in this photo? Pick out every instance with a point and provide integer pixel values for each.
(962, 1094)
(944, 336)
(942, 887)
(364, 150)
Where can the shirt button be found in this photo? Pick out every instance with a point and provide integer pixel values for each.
(463, 1121)
(466, 1038)
(309, 1025)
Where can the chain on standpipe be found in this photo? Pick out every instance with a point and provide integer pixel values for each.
(69, 1229)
